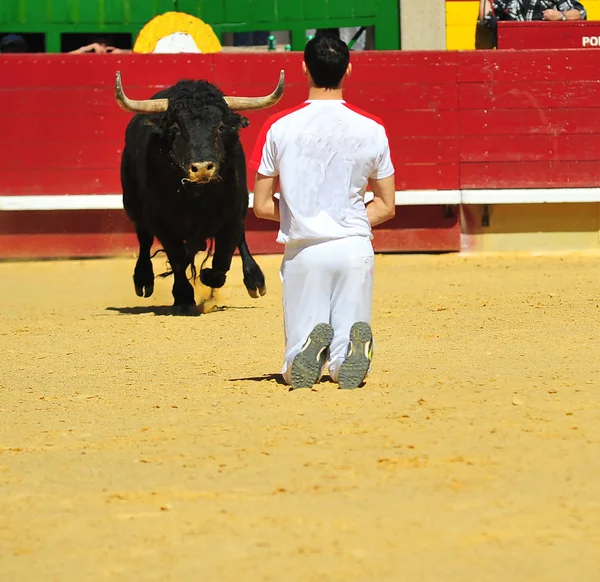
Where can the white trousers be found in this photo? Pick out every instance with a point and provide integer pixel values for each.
(325, 282)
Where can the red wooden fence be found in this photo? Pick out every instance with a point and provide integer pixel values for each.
(456, 120)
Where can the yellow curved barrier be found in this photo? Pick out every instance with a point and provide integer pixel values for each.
(170, 25)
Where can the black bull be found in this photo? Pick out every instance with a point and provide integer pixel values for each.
(183, 174)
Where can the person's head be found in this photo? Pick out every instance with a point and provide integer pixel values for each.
(326, 61)
(13, 43)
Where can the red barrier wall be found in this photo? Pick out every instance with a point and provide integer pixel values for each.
(63, 134)
(486, 119)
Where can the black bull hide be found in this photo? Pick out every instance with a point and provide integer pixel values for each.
(183, 175)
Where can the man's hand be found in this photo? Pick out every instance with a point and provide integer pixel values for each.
(552, 14)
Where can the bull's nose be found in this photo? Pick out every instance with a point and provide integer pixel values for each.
(202, 171)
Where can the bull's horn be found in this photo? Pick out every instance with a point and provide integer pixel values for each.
(132, 106)
(247, 103)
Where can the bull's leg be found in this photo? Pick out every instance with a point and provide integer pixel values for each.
(143, 274)
(183, 292)
(254, 279)
(226, 241)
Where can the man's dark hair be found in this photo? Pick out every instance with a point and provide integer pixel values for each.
(327, 59)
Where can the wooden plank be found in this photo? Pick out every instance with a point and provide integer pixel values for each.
(66, 245)
(427, 67)
(577, 174)
(64, 128)
(530, 148)
(89, 101)
(529, 121)
(56, 181)
(409, 96)
(426, 176)
(36, 157)
(541, 94)
(65, 221)
(423, 123)
(71, 71)
(419, 150)
(527, 67)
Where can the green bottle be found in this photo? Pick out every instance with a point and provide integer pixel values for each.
(288, 47)
(271, 43)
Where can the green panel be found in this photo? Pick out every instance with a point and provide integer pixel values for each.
(211, 12)
(142, 11)
(9, 11)
(340, 9)
(366, 8)
(315, 9)
(55, 17)
(387, 26)
(89, 12)
(290, 10)
(193, 7)
(238, 11)
(264, 10)
(58, 11)
(114, 11)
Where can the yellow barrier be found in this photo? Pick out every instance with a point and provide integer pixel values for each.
(462, 16)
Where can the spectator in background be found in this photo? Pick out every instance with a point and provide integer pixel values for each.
(551, 10)
(13, 43)
(100, 45)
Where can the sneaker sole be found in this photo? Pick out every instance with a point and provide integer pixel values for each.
(306, 367)
(356, 365)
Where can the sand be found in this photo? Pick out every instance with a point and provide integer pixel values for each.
(138, 446)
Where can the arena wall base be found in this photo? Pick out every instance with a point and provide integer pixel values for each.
(530, 227)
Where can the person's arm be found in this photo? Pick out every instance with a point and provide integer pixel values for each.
(383, 205)
(95, 47)
(555, 15)
(265, 205)
(484, 9)
(571, 9)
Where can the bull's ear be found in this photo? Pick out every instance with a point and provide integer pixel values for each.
(244, 121)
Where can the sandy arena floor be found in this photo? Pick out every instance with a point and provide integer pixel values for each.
(136, 446)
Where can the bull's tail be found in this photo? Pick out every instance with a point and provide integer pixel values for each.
(193, 270)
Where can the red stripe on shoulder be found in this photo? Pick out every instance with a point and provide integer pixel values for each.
(364, 113)
(255, 159)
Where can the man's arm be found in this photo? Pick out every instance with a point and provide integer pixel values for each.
(572, 9)
(265, 206)
(383, 206)
(555, 15)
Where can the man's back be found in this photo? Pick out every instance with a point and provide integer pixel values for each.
(324, 152)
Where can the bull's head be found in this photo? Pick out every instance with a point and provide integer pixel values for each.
(199, 123)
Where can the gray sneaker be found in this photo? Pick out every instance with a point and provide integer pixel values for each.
(358, 359)
(308, 363)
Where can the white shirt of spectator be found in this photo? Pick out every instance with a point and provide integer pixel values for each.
(178, 42)
(324, 153)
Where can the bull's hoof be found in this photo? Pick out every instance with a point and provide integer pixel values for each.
(256, 293)
(144, 290)
(186, 310)
(213, 279)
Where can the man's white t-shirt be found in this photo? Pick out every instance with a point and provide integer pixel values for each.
(324, 153)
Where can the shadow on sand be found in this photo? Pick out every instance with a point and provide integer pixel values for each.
(166, 310)
(277, 377)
